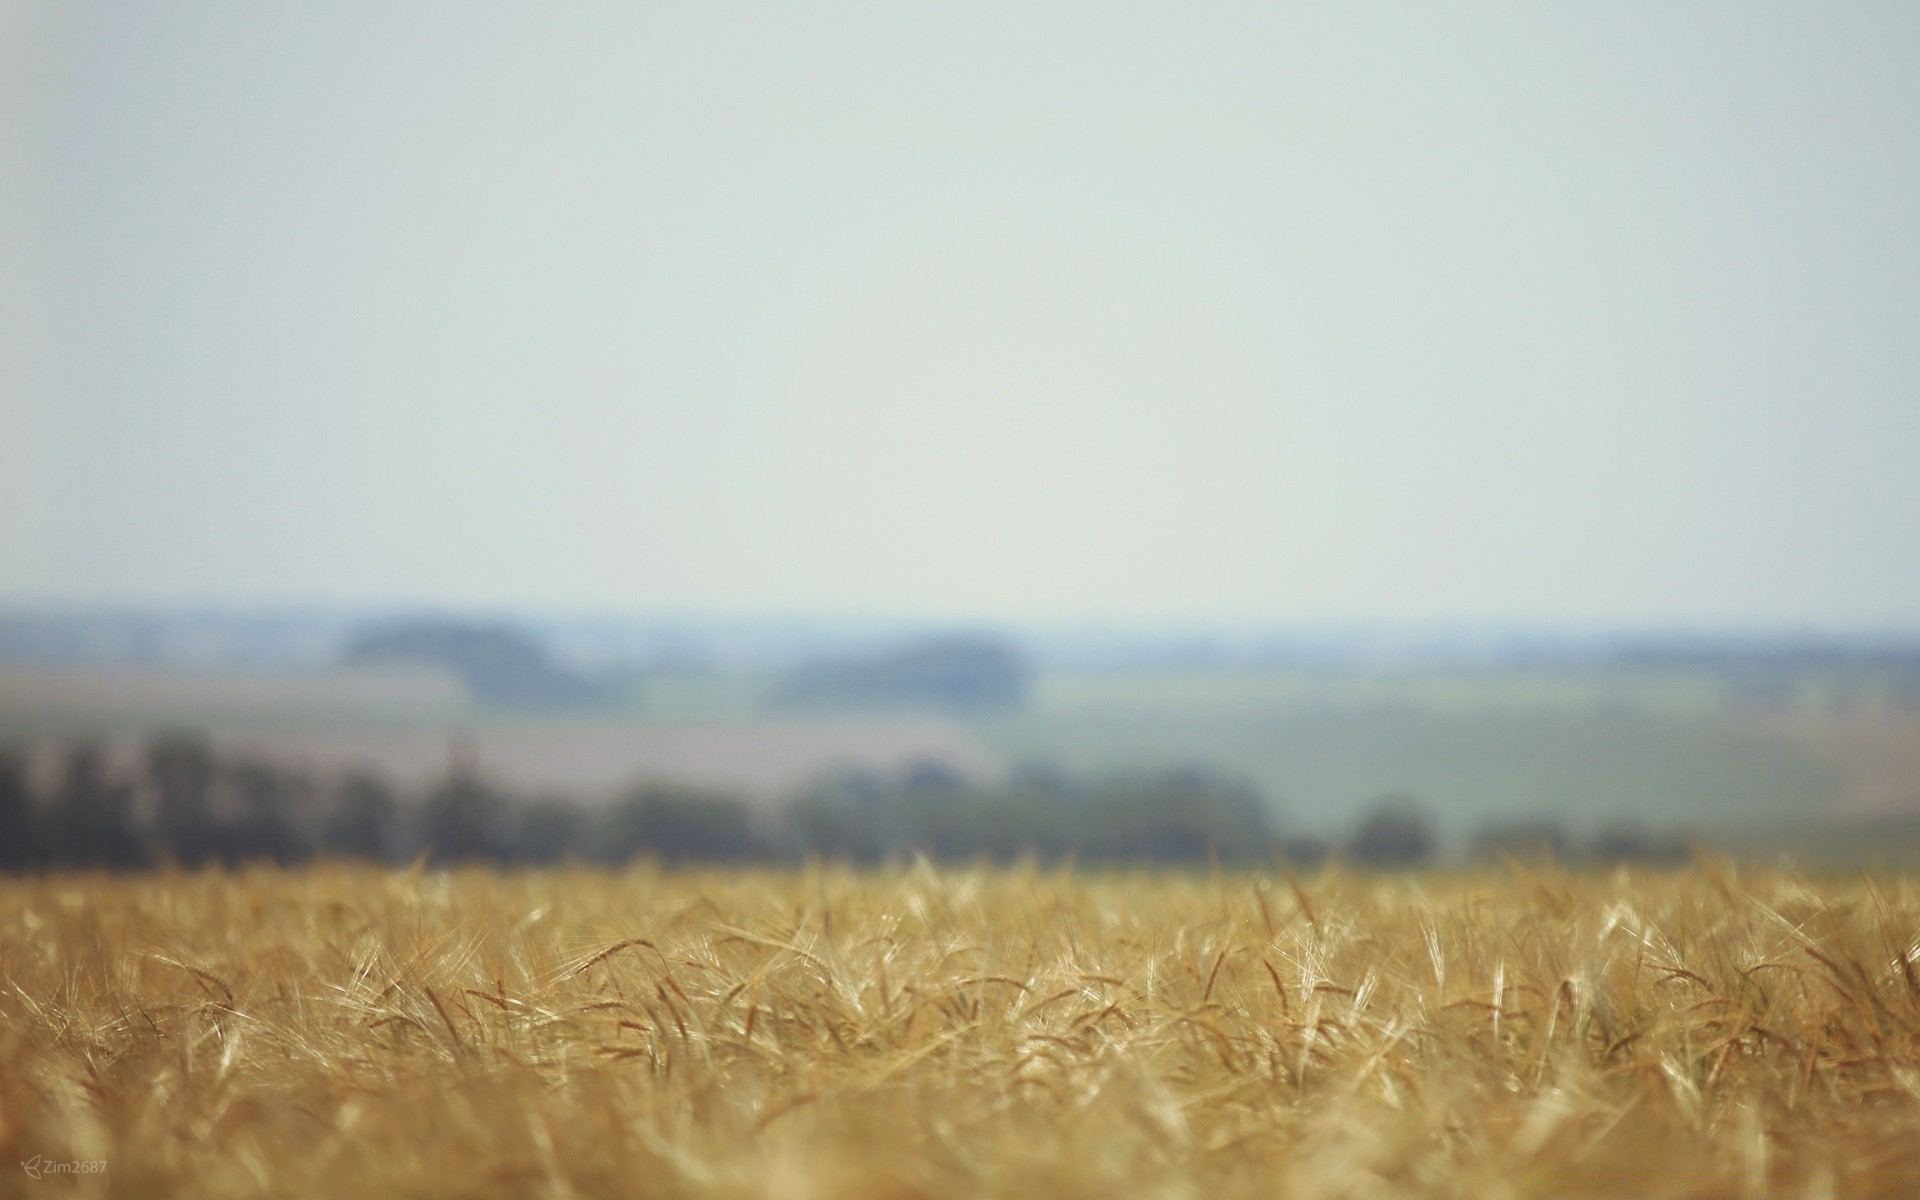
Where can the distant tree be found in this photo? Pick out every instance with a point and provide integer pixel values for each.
(935, 810)
(1175, 816)
(1305, 851)
(1395, 833)
(498, 663)
(91, 820)
(933, 776)
(1526, 841)
(549, 831)
(461, 821)
(1169, 816)
(363, 821)
(1039, 812)
(182, 768)
(266, 828)
(1630, 841)
(851, 817)
(1166, 816)
(20, 846)
(678, 824)
(958, 671)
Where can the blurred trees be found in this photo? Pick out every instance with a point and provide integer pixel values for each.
(182, 769)
(678, 824)
(550, 831)
(462, 821)
(20, 846)
(498, 663)
(1538, 841)
(1177, 816)
(1629, 841)
(848, 819)
(183, 803)
(90, 822)
(1547, 841)
(364, 820)
(265, 828)
(1396, 833)
(1164, 817)
(960, 671)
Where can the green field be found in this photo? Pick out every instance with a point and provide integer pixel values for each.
(1583, 748)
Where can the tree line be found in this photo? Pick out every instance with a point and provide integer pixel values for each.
(188, 806)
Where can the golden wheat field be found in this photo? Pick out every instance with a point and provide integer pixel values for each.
(938, 1032)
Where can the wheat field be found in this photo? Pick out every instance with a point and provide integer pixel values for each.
(922, 1031)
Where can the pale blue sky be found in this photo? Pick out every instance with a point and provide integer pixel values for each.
(1603, 312)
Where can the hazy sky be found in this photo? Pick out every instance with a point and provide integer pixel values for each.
(1552, 312)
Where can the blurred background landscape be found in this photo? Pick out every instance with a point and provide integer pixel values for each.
(718, 432)
(1602, 745)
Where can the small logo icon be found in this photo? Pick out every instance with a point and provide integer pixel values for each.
(32, 1167)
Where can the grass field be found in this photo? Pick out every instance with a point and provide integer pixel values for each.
(346, 1032)
(1583, 748)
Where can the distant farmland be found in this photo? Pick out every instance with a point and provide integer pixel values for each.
(410, 727)
(1580, 747)
(590, 760)
(1322, 766)
(55, 701)
(1662, 747)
